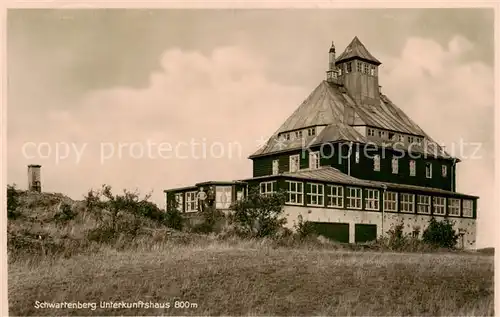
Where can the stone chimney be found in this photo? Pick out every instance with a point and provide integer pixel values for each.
(34, 179)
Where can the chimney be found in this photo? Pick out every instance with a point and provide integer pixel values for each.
(34, 179)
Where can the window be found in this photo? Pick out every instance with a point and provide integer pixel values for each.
(191, 201)
(359, 66)
(395, 165)
(366, 68)
(267, 188)
(444, 170)
(371, 132)
(335, 196)
(376, 163)
(179, 201)
(410, 139)
(287, 136)
(372, 199)
(424, 204)
(298, 134)
(313, 160)
(348, 67)
(390, 201)
(315, 195)
(467, 208)
(428, 170)
(356, 155)
(353, 198)
(439, 205)
(372, 70)
(294, 163)
(295, 193)
(401, 138)
(276, 167)
(454, 207)
(339, 70)
(412, 168)
(311, 131)
(407, 202)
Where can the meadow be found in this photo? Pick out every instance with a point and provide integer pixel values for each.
(211, 274)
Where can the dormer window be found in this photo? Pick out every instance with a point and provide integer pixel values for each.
(348, 67)
(371, 132)
(298, 134)
(381, 134)
(401, 138)
(311, 131)
(411, 139)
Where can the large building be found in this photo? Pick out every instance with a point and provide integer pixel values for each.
(352, 162)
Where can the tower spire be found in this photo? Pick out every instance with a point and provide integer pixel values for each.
(331, 72)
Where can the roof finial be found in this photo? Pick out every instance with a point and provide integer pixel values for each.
(332, 48)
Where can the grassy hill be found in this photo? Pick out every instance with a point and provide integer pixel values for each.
(56, 261)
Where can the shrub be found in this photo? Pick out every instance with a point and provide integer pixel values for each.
(12, 202)
(173, 218)
(259, 215)
(440, 234)
(211, 217)
(304, 229)
(65, 213)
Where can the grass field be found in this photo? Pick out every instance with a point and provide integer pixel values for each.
(250, 278)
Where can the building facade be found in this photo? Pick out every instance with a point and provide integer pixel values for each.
(352, 162)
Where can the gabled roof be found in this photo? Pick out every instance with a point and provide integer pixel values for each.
(357, 49)
(327, 106)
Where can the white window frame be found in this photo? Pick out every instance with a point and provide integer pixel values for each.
(407, 202)
(467, 208)
(276, 167)
(454, 207)
(335, 196)
(291, 160)
(390, 201)
(191, 201)
(444, 170)
(439, 206)
(428, 170)
(395, 165)
(376, 163)
(413, 169)
(297, 194)
(267, 188)
(314, 162)
(424, 204)
(179, 199)
(354, 200)
(372, 199)
(318, 194)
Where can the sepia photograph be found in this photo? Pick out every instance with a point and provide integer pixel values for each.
(244, 161)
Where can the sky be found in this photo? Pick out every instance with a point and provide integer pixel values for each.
(155, 99)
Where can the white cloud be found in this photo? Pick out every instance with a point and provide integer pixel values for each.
(452, 100)
(224, 98)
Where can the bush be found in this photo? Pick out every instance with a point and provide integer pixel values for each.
(66, 213)
(259, 215)
(304, 229)
(173, 219)
(12, 202)
(211, 218)
(440, 234)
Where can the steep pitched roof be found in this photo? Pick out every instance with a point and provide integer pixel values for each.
(327, 106)
(357, 49)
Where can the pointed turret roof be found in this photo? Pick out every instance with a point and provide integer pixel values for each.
(357, 49)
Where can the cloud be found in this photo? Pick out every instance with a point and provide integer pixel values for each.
(452, 100)
(221, 102)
